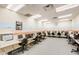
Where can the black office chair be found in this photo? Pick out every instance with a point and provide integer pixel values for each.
(40, 37)
(76, 36)
(69, 39)
(43, 35)
(37, 39)
(49, 34)
(66, 34)
(53, 34)
(23, 46)
(59, 34)
(76, 50)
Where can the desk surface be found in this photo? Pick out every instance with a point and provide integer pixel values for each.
(77, 41)
(4, 44)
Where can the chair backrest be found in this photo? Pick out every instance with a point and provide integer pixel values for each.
(58, 33)
(20, 36)
(44, 33)
(23, 42)
(53, 33)
(66, 33)
(48, 32)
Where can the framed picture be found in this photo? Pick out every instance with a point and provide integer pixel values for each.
(18, 25)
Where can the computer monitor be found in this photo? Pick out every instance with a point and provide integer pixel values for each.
(20, 36)
(7, 37)
(26, 35)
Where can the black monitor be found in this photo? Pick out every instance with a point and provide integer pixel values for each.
(20, 36)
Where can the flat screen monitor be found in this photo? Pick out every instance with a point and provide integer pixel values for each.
(7, 37)
(20, 36)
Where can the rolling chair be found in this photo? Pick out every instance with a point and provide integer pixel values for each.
(43, 35)
(36, 39)
(49, 34)
(76, 36)
(59, 34)
(75, 50)
(53, 34)
(22, 47)
(66, 34)
(39, 37)
(23, 44)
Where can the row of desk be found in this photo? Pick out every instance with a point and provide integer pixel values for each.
(74, 40)
(6, 46)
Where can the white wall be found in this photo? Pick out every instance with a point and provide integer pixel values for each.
(30, 24)
(8, 20)
(49, 26)
(64, 25)
(75, 23)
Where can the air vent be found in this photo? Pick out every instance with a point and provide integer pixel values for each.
(28, 15)
(55, 17)
(48, 7)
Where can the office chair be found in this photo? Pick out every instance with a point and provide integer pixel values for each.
(75, 50)
(59, 34)
(23, 44)
(48, 32)
(22, 47)
(70, 39)
(53, 34)
(66, 34)
(37, 38)
(44, 34)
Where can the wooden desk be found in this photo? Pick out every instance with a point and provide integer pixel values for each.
(6, 46)
(76, 40)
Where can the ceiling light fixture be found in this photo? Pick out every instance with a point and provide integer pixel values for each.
(64, 16)
(15, 7)
(65, 7)
(44, 20)
(36, 16)
(64, 19)
(48, 22)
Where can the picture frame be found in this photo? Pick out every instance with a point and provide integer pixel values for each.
(18, 25)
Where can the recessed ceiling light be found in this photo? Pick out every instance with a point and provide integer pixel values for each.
(64, 16)
(36, 16)
(64, 19)
(48, 22)
(44, 20)
(65, 7)
(15, 7)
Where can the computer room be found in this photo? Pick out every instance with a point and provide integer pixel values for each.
(39, 29)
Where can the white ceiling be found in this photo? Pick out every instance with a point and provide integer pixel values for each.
(3, 5)
(47, 13)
